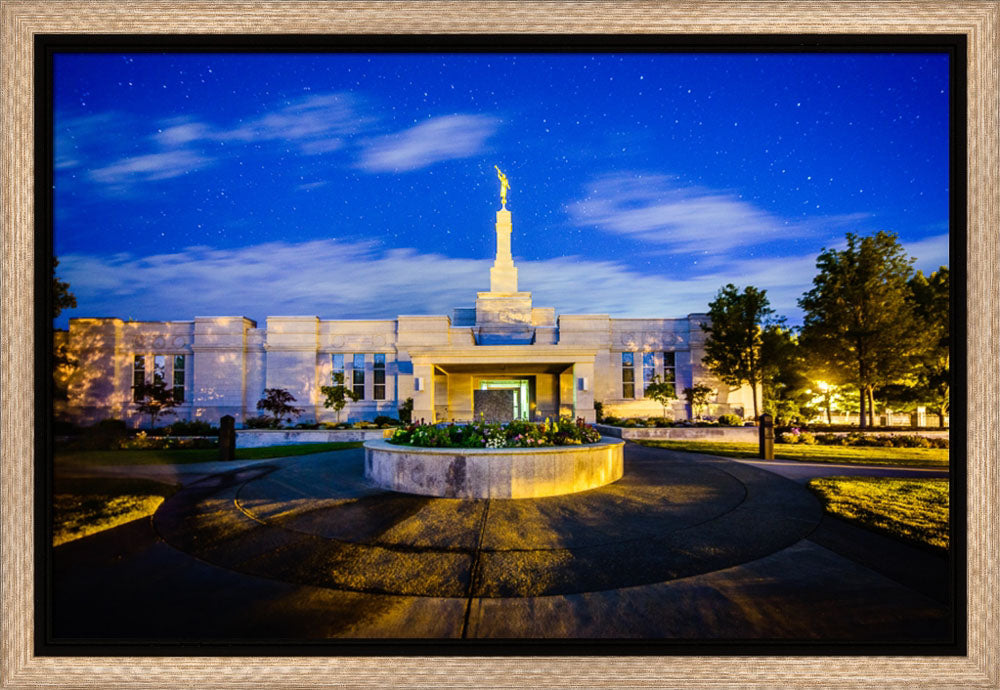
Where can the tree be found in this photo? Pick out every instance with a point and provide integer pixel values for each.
(406, 410)
(278, 401)
(733, 348)
(859, 318)
(338, 393)
(931, 303)
(662, 392)
(785, 389)
(155, 399)
(62, 298)
(698, 397)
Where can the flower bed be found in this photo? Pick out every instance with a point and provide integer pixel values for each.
(515, 472)
(516, 434)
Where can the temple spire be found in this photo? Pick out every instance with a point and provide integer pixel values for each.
(503, 275)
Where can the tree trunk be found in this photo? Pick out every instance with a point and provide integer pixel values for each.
(829, 417)
(940, 415)
(753, 391)
(871, 407)
(863, 416)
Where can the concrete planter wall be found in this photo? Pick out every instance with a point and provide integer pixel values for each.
(493, 472)
(257, 438)
(693, 433)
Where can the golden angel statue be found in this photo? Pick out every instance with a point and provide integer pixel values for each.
(504, 186)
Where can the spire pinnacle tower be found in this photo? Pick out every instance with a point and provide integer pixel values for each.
(503, 274)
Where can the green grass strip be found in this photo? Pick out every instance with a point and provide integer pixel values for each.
(913, 510)
(847, 455)
(91, 458)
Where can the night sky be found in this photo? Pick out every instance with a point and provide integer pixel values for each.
(362, 186)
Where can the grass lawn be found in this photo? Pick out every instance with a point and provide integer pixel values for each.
(848, 455)
(914, 510)
(84, 506)
(91, 458)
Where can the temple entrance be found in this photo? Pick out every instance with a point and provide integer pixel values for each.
(496, 407)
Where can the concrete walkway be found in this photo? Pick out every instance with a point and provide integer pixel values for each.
(685, 546)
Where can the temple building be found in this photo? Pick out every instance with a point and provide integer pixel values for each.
(548, 364)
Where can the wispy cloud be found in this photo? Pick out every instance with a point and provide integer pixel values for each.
(438, 139)
(659, 209)
(316, 124)
(334, 279)
(152, 166)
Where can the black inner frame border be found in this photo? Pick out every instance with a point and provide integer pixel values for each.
(47, 45)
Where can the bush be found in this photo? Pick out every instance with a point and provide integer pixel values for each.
(787, 437)
(857, 438)
(516, 434)
(599, 411)
(142, 441)
(197, 427)
(383, 421)
(260, 423)
(730, 420)
(406, 410)
(806, 438)
(307, 425)
(104, 435)
(611, 420)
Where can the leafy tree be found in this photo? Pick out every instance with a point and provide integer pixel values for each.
(930, 296)
(786, 384)
(663, 392)
(734, 348)
(406, 410)
(277, 401)
(698, 396)
(338, 393)
(62, 298)
(859, 318)
(155, 399)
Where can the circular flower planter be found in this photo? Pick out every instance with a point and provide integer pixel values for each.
(493, 472)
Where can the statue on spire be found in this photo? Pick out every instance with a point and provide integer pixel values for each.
(504, 186)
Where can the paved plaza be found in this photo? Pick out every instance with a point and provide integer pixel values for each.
(684, 546)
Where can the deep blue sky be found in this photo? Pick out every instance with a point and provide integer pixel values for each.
(352, 186)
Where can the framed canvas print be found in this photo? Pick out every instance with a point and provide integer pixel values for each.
(505, 340)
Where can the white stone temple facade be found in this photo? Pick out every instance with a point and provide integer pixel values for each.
(555, 365)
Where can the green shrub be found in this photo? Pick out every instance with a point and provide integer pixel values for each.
(786, 437)
(260, 423)
(806, 438)
(406, 410)
(142, 441)
(611, 420)
(197, 427)
(383, 421)
(730, 420)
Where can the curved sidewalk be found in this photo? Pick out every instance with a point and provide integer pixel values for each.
(684, 546)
